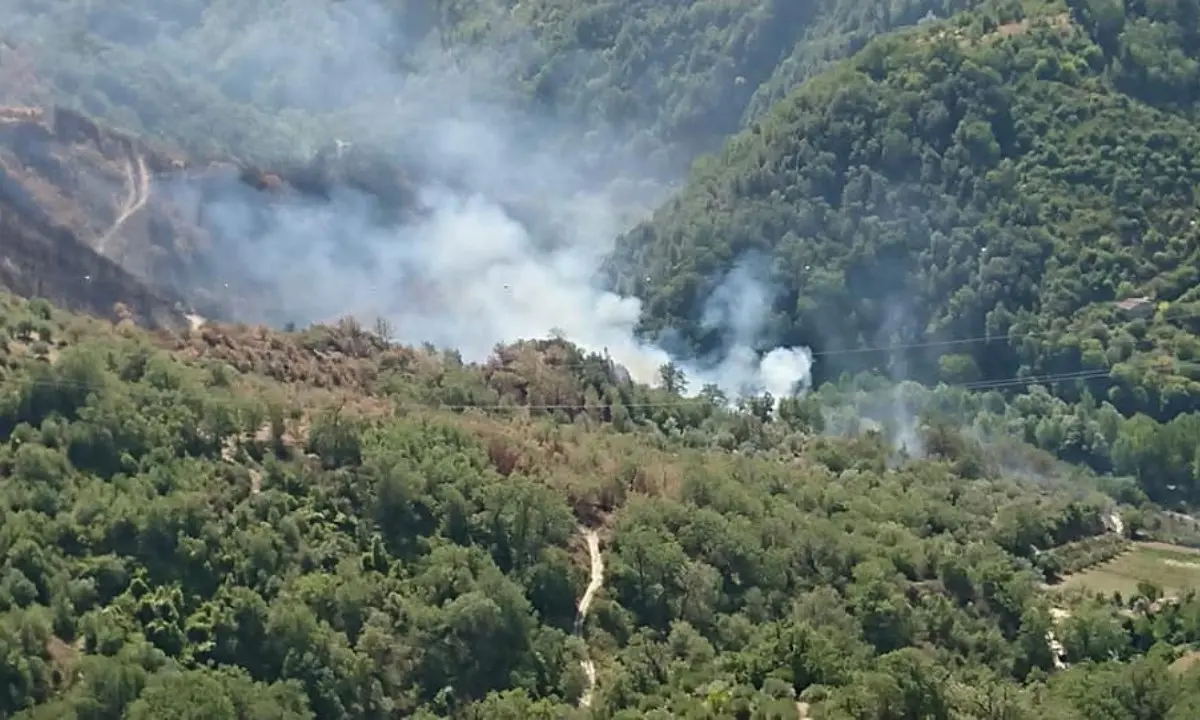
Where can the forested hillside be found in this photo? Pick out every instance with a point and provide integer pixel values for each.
(235, 523)
(659, 82)
(250, 523)
(972, 198)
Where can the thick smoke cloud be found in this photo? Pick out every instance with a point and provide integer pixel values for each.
(517, 210)
(739, 308)
(465, 275)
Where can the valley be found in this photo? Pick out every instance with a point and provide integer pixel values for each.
(560, 360)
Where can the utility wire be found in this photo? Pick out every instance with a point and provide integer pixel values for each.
(916, 345)
(979, 385)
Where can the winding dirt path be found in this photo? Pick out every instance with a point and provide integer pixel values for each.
(585, 603)
(138, 180)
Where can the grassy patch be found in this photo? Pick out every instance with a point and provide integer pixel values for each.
(1186, 662)
(1174, 568)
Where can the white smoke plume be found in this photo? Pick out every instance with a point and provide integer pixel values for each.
(517, 219)
(739, 309)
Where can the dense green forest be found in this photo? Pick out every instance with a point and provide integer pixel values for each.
(241, 523)
(1163, 458)
(657, 82)
(973, 197)
(237, 523)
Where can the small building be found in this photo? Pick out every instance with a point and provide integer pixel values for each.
(1138, 307)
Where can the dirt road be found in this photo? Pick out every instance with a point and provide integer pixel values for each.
(585, 603)
(137, 178)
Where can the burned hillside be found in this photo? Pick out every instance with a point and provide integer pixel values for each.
(92, 216)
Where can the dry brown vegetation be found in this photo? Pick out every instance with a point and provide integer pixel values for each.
(340, 368)
(338, 356)
(1060, 22)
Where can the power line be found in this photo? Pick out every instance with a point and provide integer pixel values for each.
(1033, 379)
(980, 339)
(925, 344)
(917, 345)
(960, 341)
(979, 385)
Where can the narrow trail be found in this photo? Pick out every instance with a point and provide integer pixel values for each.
(1059, 615)
(585, 603)
(1117, 524)
(138, 180)
(1057, 651)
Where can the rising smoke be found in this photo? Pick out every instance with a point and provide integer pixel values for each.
(517, 210)
(738, 309)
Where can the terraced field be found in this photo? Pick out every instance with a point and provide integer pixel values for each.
(1174, 568)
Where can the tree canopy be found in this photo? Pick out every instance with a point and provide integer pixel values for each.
(247, 524)
(986, 188)
(669, 79)
(239, 522)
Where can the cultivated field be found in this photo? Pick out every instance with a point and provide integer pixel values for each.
(1174, 568)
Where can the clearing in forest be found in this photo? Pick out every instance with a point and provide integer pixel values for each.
(1185, 662)
(1174, 568)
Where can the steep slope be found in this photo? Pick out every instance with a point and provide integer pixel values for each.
(55, 216)
(668, 79)
(227, 533)
(94, 216)
(971, 197)
(680, 77)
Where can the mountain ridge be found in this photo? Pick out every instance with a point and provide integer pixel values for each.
(998, 193)
(234, 521)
